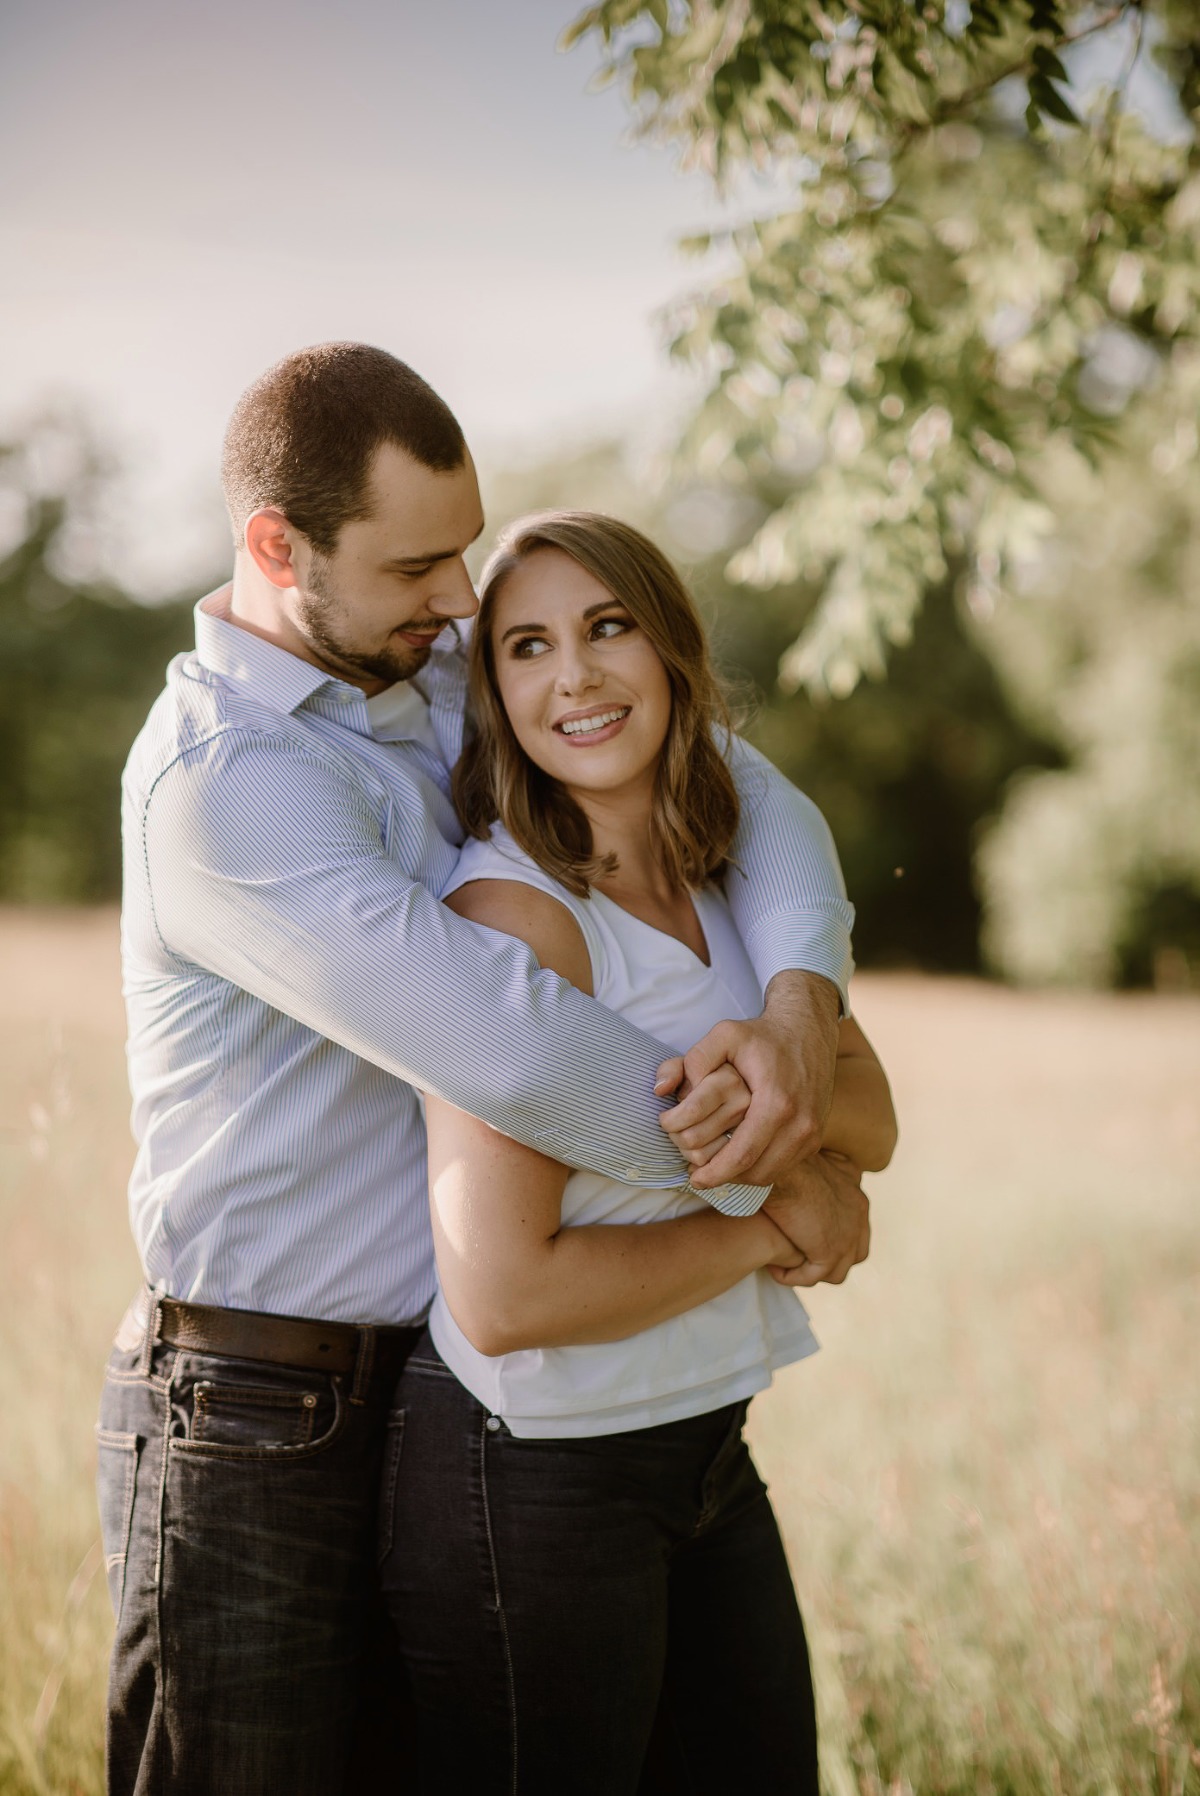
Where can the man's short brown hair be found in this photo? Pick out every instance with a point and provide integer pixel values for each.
(303, 437)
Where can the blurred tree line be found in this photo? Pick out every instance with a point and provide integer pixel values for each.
(1007, 797)
(80, 665)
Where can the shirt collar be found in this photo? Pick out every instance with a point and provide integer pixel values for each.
(447, 662)
(285, 682)
(280, 679)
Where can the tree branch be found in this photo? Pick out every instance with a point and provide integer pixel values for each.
(960, 102)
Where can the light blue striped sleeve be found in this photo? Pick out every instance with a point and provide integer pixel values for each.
(267, 866)
(786, 890)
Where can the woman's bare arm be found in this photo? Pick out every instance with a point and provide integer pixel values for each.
(512, 1275)
(861, 1124)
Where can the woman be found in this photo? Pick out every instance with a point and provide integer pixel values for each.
(580, 1543)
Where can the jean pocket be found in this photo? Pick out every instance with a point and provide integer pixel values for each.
(392, 1451)
(116, 1487)
(254, 1416)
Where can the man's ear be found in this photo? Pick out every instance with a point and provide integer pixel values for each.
(271, 545)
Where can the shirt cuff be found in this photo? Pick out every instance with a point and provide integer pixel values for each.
(733, 1200)
(805, 942)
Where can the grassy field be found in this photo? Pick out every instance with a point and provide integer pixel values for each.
(988, 1479)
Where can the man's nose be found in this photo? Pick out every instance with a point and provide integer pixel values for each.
(455, 596)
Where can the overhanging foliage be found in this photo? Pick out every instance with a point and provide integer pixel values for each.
(983, 246)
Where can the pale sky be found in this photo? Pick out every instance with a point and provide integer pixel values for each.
(194, 187)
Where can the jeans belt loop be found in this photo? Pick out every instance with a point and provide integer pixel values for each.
(364, 1364)
(153, 1323)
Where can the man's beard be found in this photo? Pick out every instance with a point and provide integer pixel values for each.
(319, 613)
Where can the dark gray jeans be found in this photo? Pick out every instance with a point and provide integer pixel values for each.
(239, 1512)
(598, 1617)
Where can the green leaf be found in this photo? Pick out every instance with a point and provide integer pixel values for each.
(745, 69)
(1047, 63)
(722, 95)
(588, 21)
(782, 46)
(908, 57)
(984, 23)
(1051, 102)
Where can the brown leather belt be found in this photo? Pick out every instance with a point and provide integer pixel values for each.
(281, 1340)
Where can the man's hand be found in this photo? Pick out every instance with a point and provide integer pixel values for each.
(786, 1058)
(822, 1209)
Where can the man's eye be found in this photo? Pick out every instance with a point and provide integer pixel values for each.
(415, 573)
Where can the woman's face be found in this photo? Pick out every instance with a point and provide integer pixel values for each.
(586, 694)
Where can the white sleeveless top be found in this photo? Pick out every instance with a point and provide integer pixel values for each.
(714, 1354)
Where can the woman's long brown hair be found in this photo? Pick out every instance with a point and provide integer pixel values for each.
(695, 810)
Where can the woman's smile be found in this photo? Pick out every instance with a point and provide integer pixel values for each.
(585, 728)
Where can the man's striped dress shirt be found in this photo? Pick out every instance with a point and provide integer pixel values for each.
(292, 983)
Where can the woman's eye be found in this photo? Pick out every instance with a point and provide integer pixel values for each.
(605, 627)
(527, 647)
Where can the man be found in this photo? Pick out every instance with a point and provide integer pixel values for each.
(292, 982)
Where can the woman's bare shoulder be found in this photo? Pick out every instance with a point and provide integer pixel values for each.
(532, 916)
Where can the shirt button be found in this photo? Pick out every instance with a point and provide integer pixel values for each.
(633, 1173)
(492, 1424)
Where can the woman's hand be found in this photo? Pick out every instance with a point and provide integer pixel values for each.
(860, 1123)
(787, 1057)
(716, 1105)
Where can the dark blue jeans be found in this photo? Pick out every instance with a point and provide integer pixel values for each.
(603, 1617)
(239, 1511)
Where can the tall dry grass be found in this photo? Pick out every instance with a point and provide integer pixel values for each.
(988, 1480)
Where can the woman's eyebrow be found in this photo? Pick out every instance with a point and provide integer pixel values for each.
(522, 629)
